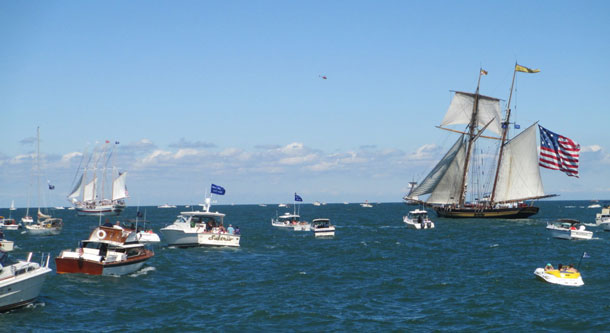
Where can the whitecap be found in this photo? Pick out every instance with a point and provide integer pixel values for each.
(143, 271)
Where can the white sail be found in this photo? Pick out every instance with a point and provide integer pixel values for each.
(444, 181)
(519, 175)
(119, 190)
(89, 194)
(77, 189)
(460, 111)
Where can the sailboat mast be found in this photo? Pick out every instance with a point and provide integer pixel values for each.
(38, 165)
(504, 135)
(471, 138)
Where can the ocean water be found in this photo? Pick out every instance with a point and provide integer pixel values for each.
(375, 274)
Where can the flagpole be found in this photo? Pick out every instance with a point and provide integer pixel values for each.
(579, 261)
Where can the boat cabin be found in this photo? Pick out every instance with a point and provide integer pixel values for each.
(320, 223)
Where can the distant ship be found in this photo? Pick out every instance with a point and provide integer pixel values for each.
(88, 197)
(516, 177)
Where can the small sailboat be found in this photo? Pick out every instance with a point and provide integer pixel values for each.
(90, 199)
(515, 175)
(46, 224)
(12, 205)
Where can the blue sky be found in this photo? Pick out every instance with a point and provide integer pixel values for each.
(230, 92)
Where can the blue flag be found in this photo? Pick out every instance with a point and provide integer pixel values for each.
(51, 187)
(218, 190)
(585, 255)
(297, 197)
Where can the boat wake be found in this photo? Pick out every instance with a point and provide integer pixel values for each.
(143, 271)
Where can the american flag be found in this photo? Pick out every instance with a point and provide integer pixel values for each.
(558, 152)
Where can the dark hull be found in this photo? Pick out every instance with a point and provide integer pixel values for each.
(487, 213)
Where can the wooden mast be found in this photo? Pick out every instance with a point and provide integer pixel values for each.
(504, 135)
(471, 138)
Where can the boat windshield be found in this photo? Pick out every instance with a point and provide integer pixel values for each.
(180, 219)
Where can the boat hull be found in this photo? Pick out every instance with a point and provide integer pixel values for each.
(69, 265)
(42, 231)
(21, 290)
(487, 213)
(571, 234)
(561, 278)
(105, 210)
(175, 237)
(324, 232)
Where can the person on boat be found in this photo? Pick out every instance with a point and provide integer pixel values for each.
(571, 269)
(548, 267)
(1, 234)
(237, 230)
(230, 229)
(560, 268)
(572, 227)
(107, 223)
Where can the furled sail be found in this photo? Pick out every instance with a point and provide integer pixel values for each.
(119, 190)
(77, 189)
(460, 111)
(519, 175)
(89, 194)
(444, 181)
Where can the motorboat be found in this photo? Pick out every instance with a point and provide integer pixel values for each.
(200, 228)
(289, 220)
(45, 226)
(322, 228)
(282, 205)
(109, 250)
(6, 245)
(302, 226)
(603, 218)
(569, 229)
(594, 206)
(561, 277)
(144, 234)
(20, 280)
(418, 219)
(60, 208)
(366, 204)
(9, 224)
(317, 203)
(166, 206)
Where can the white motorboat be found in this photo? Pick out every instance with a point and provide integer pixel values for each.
(594, 206)
(418, 219)
(144, 234)
(6, 245)
(282, 205)
(317, 203)
(603, 218)
(293, 221)
(166, 206)
(90, 199)
(322, 228)
(59, 208)
(568, 229)
(109, 250)
(285, 221)
(20, 280)
(9, 224)
(200, 228)
(366, 204)
(561, 277)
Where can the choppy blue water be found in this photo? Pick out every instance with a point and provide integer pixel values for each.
(375, 274)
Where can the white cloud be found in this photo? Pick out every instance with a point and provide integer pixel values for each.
(591, 149)
(425, 152)
(297, 159)
(69, 156)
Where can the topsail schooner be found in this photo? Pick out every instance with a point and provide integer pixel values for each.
(516, 177)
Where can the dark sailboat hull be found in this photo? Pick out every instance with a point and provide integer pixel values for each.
(487, 213)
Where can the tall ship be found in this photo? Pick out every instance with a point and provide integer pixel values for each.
(100, 189)
(471, 183)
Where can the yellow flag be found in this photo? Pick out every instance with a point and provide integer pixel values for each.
(524, 69)
(483, 72)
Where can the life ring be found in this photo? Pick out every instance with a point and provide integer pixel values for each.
(101, 234)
